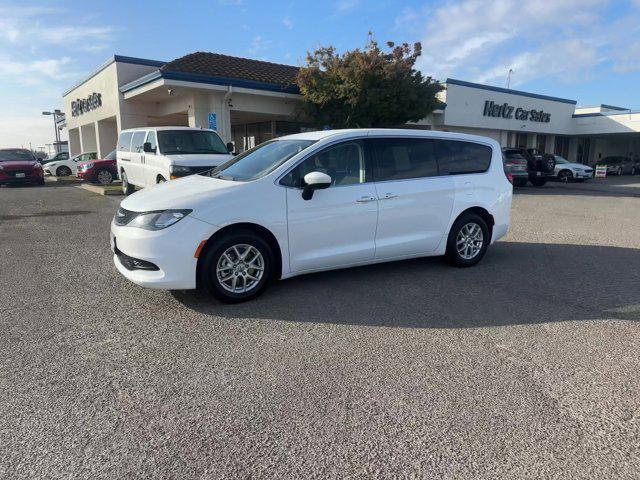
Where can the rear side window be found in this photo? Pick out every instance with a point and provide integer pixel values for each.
(138, 141)
(457, 158)
(403, 158)
(124, 142)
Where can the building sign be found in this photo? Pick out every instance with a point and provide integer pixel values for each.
(492, 109)
(84, 105)
(213, 121)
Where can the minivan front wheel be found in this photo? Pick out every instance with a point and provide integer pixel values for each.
(468, 241)
(127, 188)
(237, 267)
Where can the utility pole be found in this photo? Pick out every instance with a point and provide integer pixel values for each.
(56, 113)
(509, 77)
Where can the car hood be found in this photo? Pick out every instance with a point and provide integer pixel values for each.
(204, 160)
(187, 192)
(19, 164)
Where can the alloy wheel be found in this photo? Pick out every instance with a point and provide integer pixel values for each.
(469, 241)
(240, 268)
(565, 176)
(104, 177)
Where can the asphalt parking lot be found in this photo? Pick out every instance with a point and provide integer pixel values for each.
(526, 366)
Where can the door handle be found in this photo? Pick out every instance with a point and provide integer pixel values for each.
(366, 199)
(387, 196)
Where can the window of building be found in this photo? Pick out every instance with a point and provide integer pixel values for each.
(456, 158)
(541, 143)
(521, 140)
(403, 158)
(562, 146)
(124, 142)
(344, 163)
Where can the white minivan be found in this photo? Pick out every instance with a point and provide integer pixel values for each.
(316, 201)
(152, 155)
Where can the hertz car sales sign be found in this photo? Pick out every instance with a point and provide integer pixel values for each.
(84, 105)
(504, 110)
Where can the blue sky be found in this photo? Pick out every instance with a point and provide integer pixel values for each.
(587, 50)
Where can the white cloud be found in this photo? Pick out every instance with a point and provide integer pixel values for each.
(481, 40)
(259, 45)
(287, 22)
(345, 5)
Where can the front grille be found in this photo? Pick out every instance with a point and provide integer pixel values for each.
(14, 173)
(124, 216)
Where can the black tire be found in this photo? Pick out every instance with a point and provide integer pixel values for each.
(619, 172)
(63, 171)
(41, 182)
(565, 176)
(104, 176)
(538, 182)
(547, 163)
(452, 255)
(127, 188)
(634, 171)
(208, 267)
(519, 182)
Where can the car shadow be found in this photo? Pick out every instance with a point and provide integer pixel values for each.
(516, 283)
(624, 186)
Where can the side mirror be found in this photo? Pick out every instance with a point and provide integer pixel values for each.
(230, 147)
(147, 148)
(315, 181)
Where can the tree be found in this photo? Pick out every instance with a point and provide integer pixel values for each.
(366, 88)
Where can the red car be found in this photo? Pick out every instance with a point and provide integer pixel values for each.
(102, 171)
(19, 166)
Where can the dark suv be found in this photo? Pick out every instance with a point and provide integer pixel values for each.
(528, 165)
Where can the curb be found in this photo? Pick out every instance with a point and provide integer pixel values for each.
(99, 190)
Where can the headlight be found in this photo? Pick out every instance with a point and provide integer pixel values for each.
(159, 219)
(179, 170)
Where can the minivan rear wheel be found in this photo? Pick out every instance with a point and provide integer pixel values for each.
(237, 267)
(468, 241)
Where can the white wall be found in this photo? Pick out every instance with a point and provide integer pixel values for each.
(465, 108)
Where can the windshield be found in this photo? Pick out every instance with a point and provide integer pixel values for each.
(16, 155)
(190, 142)
(560, 159)
(111, 156)
(259, 161)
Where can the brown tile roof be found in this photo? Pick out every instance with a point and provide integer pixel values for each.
(217, 65)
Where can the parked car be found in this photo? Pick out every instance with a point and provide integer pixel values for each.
(102, 171)
(619, 165)
(566, 171)
(539, 165)
(56, 158)
(64, 168)
(516, 167)
(19, 166)
(148, 156)
(316, 201)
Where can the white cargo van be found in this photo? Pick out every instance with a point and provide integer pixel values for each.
(151, 155)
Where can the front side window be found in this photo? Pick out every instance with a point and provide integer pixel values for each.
(63, 156)
(344, 163)
(404, 158)
(190, 142)
(151, 139)
(124, 142)
(138, 141)
(456, 157)
(259, 161)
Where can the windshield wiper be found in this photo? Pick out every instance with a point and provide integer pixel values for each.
(225, 177)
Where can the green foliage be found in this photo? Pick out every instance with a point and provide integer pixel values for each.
(366, 88)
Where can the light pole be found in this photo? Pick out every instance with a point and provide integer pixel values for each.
(55, 114)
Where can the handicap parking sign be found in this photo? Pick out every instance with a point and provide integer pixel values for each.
(213, 121)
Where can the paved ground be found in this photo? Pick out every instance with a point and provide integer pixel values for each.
(525, 366)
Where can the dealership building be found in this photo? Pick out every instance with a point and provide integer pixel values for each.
(250, 101)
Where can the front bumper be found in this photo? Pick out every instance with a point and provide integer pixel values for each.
(11, 180)
(171, 250)
(85, 174)
(582, 175)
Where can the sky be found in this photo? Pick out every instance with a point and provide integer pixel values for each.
(586, 50)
